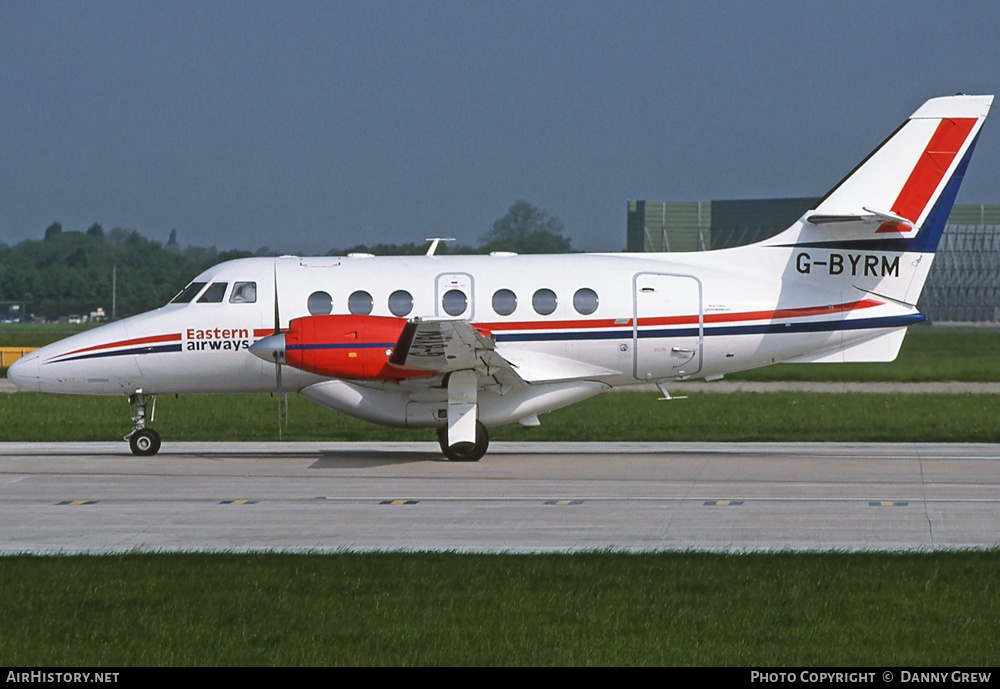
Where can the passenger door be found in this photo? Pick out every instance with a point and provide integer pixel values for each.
(667, 326)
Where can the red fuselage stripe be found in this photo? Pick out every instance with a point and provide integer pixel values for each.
(686, 320)
(126, 343)
(562, 325)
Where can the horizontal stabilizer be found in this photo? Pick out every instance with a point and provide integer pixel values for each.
(882, 348)
(869, 216)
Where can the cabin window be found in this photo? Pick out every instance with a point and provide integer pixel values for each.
(585, 301)
(544, 301)
(504, 302)
(244, 293)
(400, 302)
(319, 304)
(214, 294)
(454, 302)
(188, 293)
(360, 303)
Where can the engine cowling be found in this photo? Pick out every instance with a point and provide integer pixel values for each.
(347, 346)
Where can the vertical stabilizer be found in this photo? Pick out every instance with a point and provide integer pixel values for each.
(896, 202)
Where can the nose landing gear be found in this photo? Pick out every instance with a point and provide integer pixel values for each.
(144, 442)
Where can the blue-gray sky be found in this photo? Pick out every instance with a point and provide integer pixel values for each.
(311, 125)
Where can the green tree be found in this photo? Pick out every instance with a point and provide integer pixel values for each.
(96, 231)
(53, 230)
(118, 235)
(77, 258)
(527, 230)
(408, 249)
(172, 245)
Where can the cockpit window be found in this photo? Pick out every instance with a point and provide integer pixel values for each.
(188, 293)
(244, 293)
(214, 294)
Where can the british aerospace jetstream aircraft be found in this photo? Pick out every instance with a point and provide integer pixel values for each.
(462, 343)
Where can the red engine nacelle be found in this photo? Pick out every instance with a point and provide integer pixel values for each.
(355, 347)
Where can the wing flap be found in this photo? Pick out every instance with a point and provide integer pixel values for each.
(446, 345)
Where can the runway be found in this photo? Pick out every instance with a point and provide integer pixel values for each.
(522, 497)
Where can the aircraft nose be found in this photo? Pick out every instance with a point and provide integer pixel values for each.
(270, 348)
(24, 372)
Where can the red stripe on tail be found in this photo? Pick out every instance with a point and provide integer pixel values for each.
(929, 171)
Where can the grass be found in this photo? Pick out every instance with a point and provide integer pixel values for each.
(662, 609)
(783, 416)
(38, 334)
(929, 353)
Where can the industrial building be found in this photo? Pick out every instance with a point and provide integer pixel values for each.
(963, 286)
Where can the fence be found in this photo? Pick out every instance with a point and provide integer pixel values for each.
(964, 282)
(8, 355)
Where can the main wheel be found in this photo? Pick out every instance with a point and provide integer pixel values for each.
(144, 442)
(465, 452)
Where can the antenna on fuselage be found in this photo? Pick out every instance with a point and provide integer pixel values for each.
(434, 243)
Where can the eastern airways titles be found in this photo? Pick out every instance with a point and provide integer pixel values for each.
(217, 338)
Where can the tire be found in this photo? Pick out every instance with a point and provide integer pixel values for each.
(465, 452)
(144, 442)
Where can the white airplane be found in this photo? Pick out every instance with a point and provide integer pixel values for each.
(462, 343)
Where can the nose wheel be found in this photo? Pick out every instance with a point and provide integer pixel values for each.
(144, 442)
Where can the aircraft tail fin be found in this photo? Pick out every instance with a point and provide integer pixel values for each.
(899, 198)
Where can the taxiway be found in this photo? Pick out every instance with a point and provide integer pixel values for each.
(522, 497)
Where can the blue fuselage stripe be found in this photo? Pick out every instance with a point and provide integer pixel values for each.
(719, 331)
(152, 349)
(339, 345)
(622, 334)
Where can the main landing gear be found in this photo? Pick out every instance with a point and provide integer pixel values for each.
(464, 437)
(144, 442)
(465, 452)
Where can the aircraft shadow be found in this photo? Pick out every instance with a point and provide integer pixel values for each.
(346, 459)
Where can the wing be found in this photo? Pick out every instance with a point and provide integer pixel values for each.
(448, 345)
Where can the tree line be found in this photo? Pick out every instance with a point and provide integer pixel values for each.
(68, 272)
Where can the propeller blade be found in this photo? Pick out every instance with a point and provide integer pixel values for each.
(277, 330)
(278, 351)
(277, 319)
